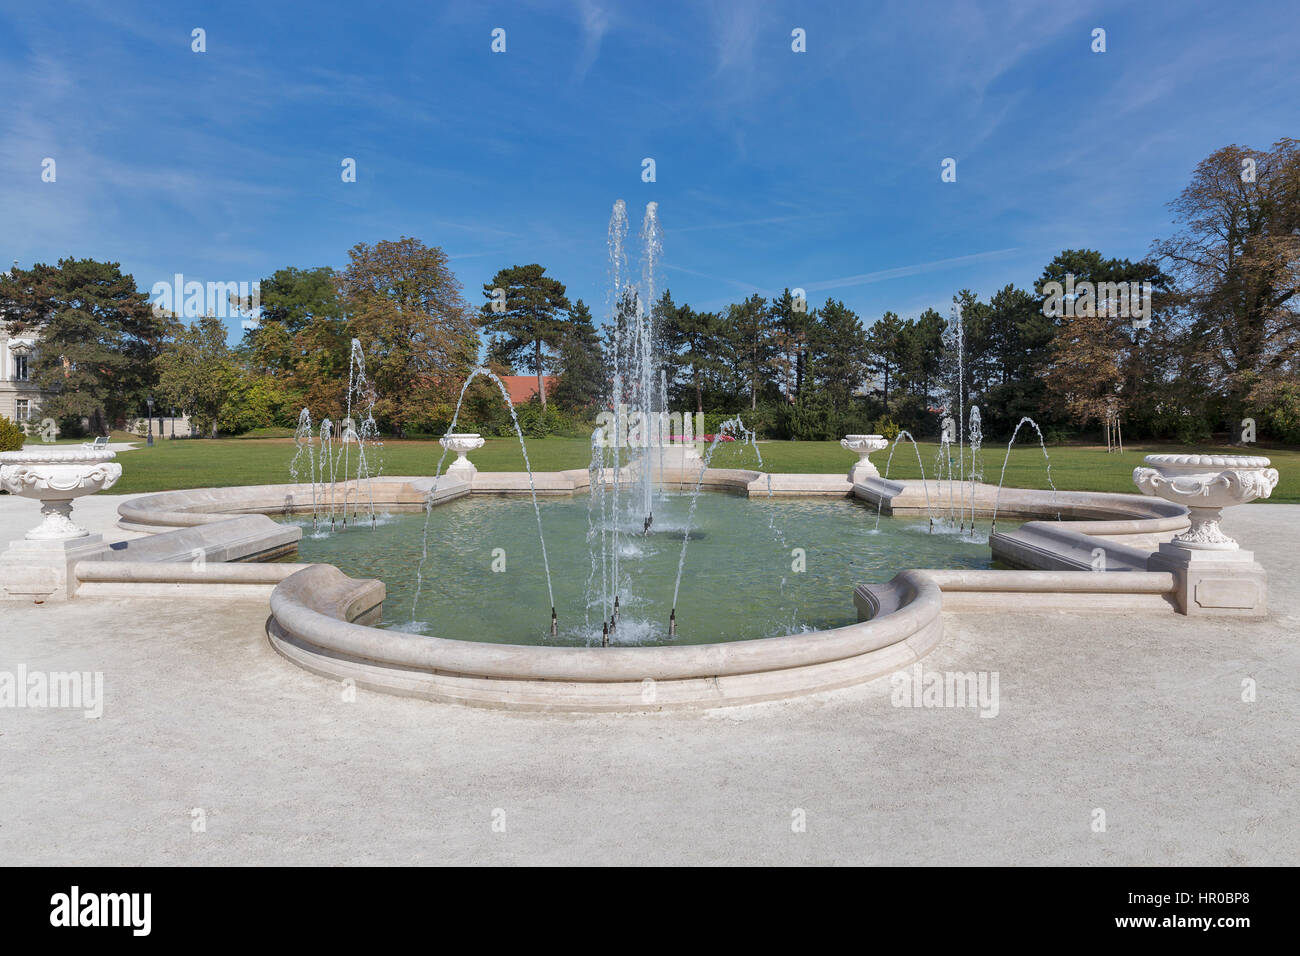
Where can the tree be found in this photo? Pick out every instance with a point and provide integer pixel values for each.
(1019, 340)
(693, 339)
(1085, 371)
(529, 321)
(884, 344)
(790, 322)
(98, 337)
(405, 305)
(300, 347)
(922, 348)
(582, 370)
(1236, 263)
(748, 329)
(292, 302)
(837, 354)
(197, 372)
(1092, 324)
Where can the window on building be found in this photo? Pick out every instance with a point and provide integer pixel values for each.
(20, 368)
(23, 410)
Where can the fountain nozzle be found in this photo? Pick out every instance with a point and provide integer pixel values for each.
(614, 618)
(672, 623)
(555, 624)
(604, 636)
(650, 519)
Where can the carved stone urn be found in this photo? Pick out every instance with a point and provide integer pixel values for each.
(56, 476)
(864, 445)
(461, 443)
(1205, 485)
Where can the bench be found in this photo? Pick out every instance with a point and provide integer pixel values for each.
(99, 444)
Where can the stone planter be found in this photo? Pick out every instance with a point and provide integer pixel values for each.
(1212, 574)
(38, 567)
(461, 443)
(56, 476)
(1205, 485)
(864, 445)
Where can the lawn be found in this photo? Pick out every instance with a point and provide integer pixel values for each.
(197, 463)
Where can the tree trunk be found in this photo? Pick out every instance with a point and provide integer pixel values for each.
(699, 394)
(537, 355)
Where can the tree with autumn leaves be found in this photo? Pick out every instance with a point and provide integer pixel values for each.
(405, 305)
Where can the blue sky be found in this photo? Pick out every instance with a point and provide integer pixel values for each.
(818, 170)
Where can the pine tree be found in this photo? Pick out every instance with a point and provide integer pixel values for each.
(530, 320)
(583, 380)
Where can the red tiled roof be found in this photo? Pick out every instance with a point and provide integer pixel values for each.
(524, 387)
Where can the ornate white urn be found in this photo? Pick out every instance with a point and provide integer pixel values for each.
(461, 443)
(864, 445)
(56, 476)
(1206, 484)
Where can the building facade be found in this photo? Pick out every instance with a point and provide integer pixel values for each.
(20, 399)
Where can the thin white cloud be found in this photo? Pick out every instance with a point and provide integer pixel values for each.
(595, 20)
(938, 265)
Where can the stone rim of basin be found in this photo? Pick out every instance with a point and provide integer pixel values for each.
(1207, 461)
(56, 456)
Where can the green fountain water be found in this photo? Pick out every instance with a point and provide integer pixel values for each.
(755, 567)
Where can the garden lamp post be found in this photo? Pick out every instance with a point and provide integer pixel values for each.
(149, 440)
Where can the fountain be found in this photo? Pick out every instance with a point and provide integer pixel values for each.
(336, 440)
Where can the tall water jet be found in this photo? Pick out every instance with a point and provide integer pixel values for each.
(302, 439)
(904, 433)
(976, 438)
(953, 338)
(1007, 457)
(361, 392)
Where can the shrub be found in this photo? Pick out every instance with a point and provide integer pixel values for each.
(1192, 431)
(886, 427)
(11, 436)
(259, 402)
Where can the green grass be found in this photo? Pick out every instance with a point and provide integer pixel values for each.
(198, 463)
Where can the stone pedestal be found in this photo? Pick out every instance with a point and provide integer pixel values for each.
(40, 570)
(1215, 583)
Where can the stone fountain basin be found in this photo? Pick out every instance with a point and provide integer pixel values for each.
(322, 618)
